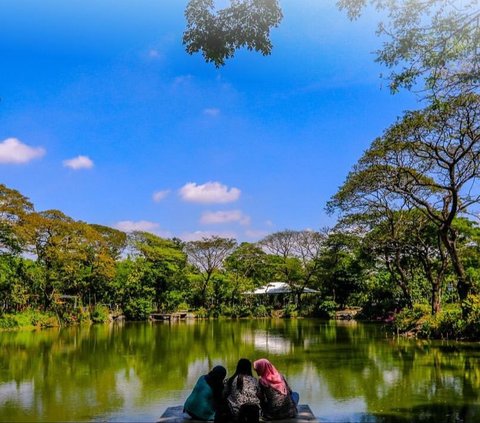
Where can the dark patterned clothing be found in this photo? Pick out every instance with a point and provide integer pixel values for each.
(275, 405)
(248, 395)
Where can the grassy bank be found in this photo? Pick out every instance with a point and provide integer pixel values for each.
(449, 323)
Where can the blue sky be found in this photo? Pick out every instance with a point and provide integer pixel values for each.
(105, 117)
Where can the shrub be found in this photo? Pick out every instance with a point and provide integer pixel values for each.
(261, 311)
(290, 310)
(29, 318)
(236, 311)
(138, 309)
(183, 306)
(326, 309)
(100, 314)
(7, 321)
(472, 307)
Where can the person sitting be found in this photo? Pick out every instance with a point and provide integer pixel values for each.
(241, 395)
(277, 401)
(206, 396)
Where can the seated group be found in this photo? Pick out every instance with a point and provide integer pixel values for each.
(242, 397)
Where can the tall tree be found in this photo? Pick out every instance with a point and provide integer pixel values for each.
(14, 208)
(164, 259)
(430, 159)
(299, 252)
(207, 256)
(247, 268)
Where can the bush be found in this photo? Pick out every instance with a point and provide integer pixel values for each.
(202, 313)
(472, 307)
(236, 311)
(138, 309)
(43, 320)
(7, 321)
(100, 314)
(326, 309)
(261, 311)
(28, 319)
(447, 323)
(290, 310)
(409, 318)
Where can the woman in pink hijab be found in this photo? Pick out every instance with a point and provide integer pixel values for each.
(277, 402)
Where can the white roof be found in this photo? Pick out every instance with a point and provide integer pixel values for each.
(277, 288)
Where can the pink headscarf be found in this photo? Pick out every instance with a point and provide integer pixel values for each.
(270, 376)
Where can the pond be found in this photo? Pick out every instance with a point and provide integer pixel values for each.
(132, 372)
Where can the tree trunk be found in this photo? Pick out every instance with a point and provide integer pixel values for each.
(448, 237)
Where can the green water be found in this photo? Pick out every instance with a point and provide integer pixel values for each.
(132, 372)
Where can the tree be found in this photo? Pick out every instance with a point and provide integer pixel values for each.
(340, 266)
(218, 34)
(14, 208)
(429, 159)
(299, 252)
(437, 40)
(164, 260)
(115, 240)
(247, 268)
(207, 256)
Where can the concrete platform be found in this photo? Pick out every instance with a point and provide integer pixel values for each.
(176, 415)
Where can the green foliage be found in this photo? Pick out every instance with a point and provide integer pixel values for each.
(261, 310)
(446, 324)
(290, 310)
(218, 34)
(202, 313)
(472, 307)
(326, 309)
(100, 314)
(138, 309)
(433, 40)
(28, 319)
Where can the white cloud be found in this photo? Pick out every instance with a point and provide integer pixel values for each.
(140, 225)
(212, 112)
(153, 53)
(224, 217)
(181, 80)
(211, 192)
(14, 151)
(160, 195)
(269, 223)
(198, 235)
(256, 234)
(79, 162)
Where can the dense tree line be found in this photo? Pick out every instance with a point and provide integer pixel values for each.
(384, 255)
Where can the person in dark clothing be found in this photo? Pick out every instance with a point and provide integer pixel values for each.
(206, 397)
(241, 401)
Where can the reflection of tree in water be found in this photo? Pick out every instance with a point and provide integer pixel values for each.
(82, 373)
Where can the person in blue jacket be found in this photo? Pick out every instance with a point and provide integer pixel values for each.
(206, 395)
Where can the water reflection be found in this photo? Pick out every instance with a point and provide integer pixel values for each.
(346, 372)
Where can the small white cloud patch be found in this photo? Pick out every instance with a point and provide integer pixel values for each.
(140, 225)
(79, 162)
(210, 192)
(225, 217)
(255, 234)
(160, 195)
(14, 151)
(212, 112)
(153, 53)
